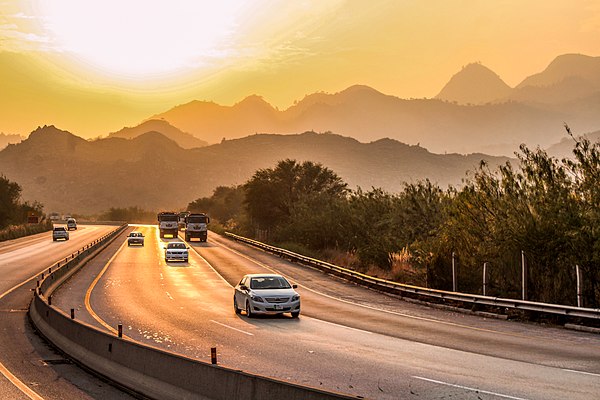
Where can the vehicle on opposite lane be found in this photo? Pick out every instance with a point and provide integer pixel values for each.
(176, 251)
(60, 232)
(266, 294)
(135, 238)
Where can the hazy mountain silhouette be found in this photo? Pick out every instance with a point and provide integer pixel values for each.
(564, 148)
(474, 84)
(568, 78)
(183, 139)
(69, 174)
(533, 113)
(5, 139)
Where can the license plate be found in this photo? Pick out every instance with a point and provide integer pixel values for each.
(278, 307)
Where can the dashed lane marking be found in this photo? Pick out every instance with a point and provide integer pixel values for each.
(468, 388)
(231, 327)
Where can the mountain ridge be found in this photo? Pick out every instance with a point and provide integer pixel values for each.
(153, 172)
(530, 114)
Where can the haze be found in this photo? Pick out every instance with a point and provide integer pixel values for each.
(94, 67)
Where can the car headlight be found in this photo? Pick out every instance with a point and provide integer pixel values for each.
(296, 297)
(258, 299)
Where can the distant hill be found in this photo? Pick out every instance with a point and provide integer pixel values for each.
(69, 174)
(368, 115)
(183, 139)
(474, 84)
(569, 77)
(474, 112)
(5, 139)
(564, 148)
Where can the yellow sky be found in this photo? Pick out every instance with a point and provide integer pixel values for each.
(95, 66)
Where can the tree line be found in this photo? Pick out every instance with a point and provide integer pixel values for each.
(13, 211)
(544, 208)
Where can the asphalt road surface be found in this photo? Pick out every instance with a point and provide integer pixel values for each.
(347, 339)
(29, 367)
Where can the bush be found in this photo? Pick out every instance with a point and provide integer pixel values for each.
(17, 231)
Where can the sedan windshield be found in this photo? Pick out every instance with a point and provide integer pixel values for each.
(176, 245)
(269, 282)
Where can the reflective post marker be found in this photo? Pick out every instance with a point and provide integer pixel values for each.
(453, 274)
(485, 282)
(524, 275)
(213, 355)
(579, 294)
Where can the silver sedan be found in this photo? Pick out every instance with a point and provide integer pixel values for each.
(266, 294)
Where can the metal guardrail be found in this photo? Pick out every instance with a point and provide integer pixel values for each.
(146, 370)
(403, 289)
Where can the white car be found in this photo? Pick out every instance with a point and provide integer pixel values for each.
(266, 294)
(71, 224)
(60, 232)
(176, 251)
(135, 238)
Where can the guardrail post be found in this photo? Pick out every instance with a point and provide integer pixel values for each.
(72, 313)
(579, 292)
(120, 330)
(485, 280)
(453, 273)
(213, 355)
(523, 276)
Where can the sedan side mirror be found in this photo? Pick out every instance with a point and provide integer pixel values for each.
(243, 287)
(294, 286)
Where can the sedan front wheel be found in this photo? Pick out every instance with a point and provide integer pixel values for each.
(235, 306)
(249, 310)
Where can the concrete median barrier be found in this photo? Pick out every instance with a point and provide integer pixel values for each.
(152, 372)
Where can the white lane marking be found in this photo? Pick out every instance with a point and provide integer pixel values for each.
(20, 385)
(341, 326)
(469, 388)
(3, 370)
(580, 372)
(210, 266)
(231, 327)
(370, 307)
(169, 295)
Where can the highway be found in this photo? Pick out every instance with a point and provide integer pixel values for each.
(348, 338)
(29, 367)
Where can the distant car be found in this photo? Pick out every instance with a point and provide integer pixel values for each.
(71, 224)
(176, 251)
(266, 294)
(135, 238)
(54, 216)
(60, 232)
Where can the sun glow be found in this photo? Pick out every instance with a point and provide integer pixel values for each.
(142, 37)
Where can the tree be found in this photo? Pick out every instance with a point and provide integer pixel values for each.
(272, 193)
(10, 193)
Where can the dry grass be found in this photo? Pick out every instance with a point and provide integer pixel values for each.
(402, 270)
(17, 231)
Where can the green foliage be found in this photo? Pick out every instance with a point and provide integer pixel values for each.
(17, 231)
(225, 206)
(274, 194)
(547, 208)
(12, 210)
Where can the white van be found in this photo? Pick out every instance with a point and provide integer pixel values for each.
(71, 224)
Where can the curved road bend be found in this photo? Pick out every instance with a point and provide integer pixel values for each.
(29, 368)
(347, 339)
